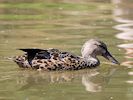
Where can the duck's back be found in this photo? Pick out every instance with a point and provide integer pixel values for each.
(50, 59)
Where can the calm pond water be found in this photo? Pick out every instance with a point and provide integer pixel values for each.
(66, 25)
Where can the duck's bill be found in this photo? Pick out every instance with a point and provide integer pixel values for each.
(109, 57)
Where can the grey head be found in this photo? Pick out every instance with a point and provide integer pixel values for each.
(93, 48)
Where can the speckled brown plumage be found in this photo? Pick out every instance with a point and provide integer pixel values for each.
(54, 59)
(57, 61)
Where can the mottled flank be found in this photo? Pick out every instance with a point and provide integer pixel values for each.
(54, 59)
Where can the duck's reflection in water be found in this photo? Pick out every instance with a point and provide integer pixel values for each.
(89, 84)
(92, 79)
(95, 81)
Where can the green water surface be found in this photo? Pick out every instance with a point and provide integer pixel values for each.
(66, 25)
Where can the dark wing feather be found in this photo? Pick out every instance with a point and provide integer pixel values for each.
(43, 55)
(32, 53)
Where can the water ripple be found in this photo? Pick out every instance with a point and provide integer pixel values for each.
(126, 33)
(123, 14)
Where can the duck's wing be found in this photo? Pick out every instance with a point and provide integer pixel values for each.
(68, 54)
(39, 53)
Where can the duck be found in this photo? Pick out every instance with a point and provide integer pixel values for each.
(54, 59)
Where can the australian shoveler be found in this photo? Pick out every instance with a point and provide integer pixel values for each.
(54, 59)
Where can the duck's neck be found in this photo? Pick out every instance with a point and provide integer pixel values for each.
(89, 54)
(91, 61)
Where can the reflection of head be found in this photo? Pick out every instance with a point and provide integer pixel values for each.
(89, 84)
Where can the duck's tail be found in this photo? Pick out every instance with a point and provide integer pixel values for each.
(21, 61)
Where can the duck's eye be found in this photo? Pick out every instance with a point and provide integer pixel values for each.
(102, 47)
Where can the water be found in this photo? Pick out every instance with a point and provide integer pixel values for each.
(66, 25)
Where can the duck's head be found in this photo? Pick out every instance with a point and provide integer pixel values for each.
(93, 48)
